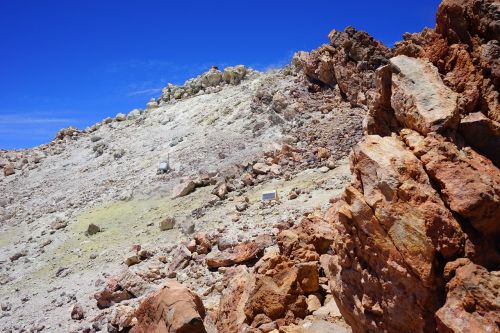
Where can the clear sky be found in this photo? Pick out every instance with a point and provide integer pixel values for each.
(75, 62)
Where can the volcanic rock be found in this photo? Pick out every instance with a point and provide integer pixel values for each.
(184, 189)
(391, 214)
(239, 254)
(8, 170)
(171, 309)
(482, 134)
(420, 99)
(472, 302)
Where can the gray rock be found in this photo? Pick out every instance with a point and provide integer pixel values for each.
(167, 224)
(135, 113)
(93, 229)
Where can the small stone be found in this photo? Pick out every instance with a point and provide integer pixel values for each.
(77, 312)
(247, 179)
(152, 104)
(260, 168)
(167, 224)
(132, 259)
(324, 169)
(241, 206)
(184, 189)
(93, 229)
(6, 306)
(162, 259)
(323, 153)
(136, 113)
(18, 255)
(8, 170)
(58, 224)
(313, 303)
(330, 309)
(276, 169)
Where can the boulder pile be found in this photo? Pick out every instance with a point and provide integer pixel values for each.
(209, 82)
(411, 246)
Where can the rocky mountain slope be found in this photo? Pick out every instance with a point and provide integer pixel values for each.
(94, 238)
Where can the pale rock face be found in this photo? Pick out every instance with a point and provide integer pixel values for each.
(234, 75)
(211, 78)
(420, 99)
(136, 113)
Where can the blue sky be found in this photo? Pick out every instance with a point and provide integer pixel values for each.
(76, 62)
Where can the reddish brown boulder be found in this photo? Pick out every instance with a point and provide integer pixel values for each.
(276, 291)
(171, 309)
(319, 66)
(230, 315)
(472, 302)
(468, 182)
(77, 312)
(241, 253)
(390, 224)
(349, 62)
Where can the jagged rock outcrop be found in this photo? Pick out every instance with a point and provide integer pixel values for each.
(349, 62)
(464, 47)
(208, 82)
(393, 230)
(423, 206)
(420, 198)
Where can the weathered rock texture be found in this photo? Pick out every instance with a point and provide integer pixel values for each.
(473, 302)
(422, 195)
(465, 48)
(171, 309)
(276, 288)
(348, 61)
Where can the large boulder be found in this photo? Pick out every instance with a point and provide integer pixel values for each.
(392, 229)
(349, 61)
(125, 285)
(171, 309)
(211, 78)
(419, 98)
